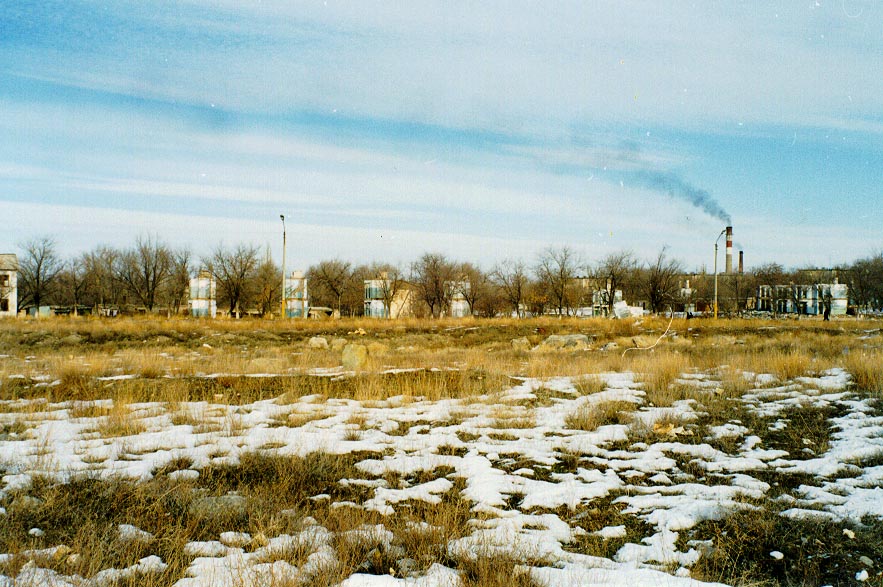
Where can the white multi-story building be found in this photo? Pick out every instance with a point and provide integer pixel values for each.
(203, 290)
(803, 299)
(459, 305)
(8, 285)
(297, 298)
(386, 298)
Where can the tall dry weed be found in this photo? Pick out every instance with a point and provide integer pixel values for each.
(866, 369)
(590, 417)
(658, 373)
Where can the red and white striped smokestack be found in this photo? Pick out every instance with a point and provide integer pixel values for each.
(741, 262)
(729, 249)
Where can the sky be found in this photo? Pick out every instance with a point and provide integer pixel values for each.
(481, 130)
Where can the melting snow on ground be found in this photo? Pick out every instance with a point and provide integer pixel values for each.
(508, 475)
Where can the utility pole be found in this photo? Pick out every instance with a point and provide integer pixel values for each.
(715, 269)
(282, 217)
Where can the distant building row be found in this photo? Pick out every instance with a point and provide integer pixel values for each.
(810, 300)
(394, 298)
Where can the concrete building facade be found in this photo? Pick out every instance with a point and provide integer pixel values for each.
(803, 299)
(8, 285)
(203, 296)
(459, 306)
(297, 295)
(385, 298)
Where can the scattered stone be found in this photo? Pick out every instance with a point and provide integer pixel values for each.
(318, 342)
(36, 533)
(610, 346)
(866, 561)
(337, 344)
(72, 339)
(777, 555)
(564, 342)
(358, 331)
(354, 357)
(161, 339)
(224, 505)
(521, 344)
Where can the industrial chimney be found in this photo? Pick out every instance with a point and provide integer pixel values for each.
(729, 249)
(741, 262)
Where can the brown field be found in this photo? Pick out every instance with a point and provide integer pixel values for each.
(134, 376)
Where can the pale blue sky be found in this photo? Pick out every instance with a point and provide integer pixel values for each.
(481, 130)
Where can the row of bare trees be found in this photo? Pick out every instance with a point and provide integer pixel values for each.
(155, 276)
(150, 275)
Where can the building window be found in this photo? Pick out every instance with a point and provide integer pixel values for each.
(4, 305)
(4, 280)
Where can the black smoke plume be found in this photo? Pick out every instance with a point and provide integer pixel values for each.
(676, 187)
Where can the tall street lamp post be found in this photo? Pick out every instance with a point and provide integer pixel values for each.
(723, 232)
(282, 217)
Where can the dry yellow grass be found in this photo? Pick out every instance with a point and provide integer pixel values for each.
(477, 350)
(589, 384)
(471, 359)
(658, 372)
(866, 369)
(588, 418)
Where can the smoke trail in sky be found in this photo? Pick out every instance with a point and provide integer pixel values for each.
(676, 187)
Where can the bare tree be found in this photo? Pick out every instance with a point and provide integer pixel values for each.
(536, 297)
(738, 287)
(555, 269)
(392, 283)
(473, 284)
(615, 272)
(431, 275)
(233, 269)
(268, 286)
(511, 278)
(353, 301)
(102, 286)
(178, 284)
(661, 281)
(144, 269)
(865, 280)
(332, 279)
(72, 283)
(771, 274)
(39, 266)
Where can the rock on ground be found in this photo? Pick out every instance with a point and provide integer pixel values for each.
(354, 357)
(318, 342)
(564, 342)
(521, 344)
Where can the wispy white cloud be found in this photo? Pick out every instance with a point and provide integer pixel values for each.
(496, 124)
(461, 66)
